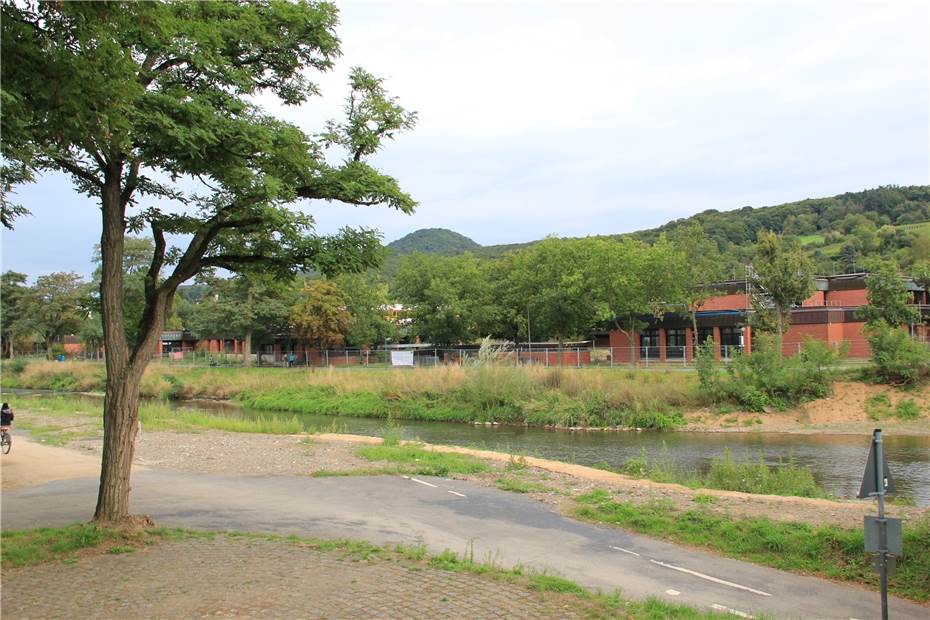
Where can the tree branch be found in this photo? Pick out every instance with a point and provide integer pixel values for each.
(132, 181)
(158, 260)
(78, 171)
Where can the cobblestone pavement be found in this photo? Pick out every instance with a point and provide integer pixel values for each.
(254, 578)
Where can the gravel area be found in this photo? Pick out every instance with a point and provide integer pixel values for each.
(237, 453)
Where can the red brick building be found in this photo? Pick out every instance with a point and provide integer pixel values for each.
(828, 315)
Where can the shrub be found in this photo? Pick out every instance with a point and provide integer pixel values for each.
(767, 379)
(897, 358)
(907, 410)
(16, 366)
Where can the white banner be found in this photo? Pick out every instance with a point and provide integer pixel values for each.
(401, 358)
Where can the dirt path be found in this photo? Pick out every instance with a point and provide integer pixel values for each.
(30, 464)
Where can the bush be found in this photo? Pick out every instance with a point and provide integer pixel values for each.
(16, 366)
(766, 379)
(897, 359)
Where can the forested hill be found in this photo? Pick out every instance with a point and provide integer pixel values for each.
(433, 241)
(839, 233)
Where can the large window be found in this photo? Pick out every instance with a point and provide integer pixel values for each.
(675, 343)
(731, 341)
(649, 345)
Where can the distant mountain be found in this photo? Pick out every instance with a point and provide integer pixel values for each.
(433, 241)
(839, 233)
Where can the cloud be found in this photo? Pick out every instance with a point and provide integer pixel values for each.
(588, 118)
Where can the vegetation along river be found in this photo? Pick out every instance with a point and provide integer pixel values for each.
(837, 461)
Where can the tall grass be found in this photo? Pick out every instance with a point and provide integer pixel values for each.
(727, 474)
(564, 397)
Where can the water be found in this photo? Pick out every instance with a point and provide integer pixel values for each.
(837, 461)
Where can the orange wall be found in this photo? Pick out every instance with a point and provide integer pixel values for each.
(847, 298)
(726, 302)
(858, 345)
(817, 299)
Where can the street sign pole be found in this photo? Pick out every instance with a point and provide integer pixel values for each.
(882, 522)
(882, 535)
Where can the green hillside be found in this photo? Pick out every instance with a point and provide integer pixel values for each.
(433, 241)
(840, 233)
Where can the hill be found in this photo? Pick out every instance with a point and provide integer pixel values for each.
(840, 233)
(433, 241)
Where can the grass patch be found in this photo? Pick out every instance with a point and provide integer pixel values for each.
(418, 460)
(727, 474)
(38, 546)
(827, 551)
(516, 485)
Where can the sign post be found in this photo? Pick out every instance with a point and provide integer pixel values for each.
(882, 535)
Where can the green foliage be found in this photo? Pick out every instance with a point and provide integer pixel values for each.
(422, 461)
(768, 379)
(729, 475)
(433, 241)
(783, 274)
(877, 407)
(321, 318)
(897, 359)
(888, 296)
(907, 409)
(15, 366)
(37, 546)
(827, 551)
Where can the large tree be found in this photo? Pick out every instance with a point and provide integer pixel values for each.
(782, 278)
(700, 267)
(157, 101)
(13, 290)
(321, 317)
(55, 306)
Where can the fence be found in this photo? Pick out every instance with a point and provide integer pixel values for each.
(578, 357)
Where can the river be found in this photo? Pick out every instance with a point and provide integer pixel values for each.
(836, 460)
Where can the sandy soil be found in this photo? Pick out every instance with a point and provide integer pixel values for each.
(30, 463)
(845, 411)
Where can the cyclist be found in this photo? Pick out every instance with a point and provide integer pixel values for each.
(6, 417)
(6, 420)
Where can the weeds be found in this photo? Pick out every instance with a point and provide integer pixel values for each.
(828, 551)
(424, 462)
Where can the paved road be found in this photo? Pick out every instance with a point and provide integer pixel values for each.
(461, 516)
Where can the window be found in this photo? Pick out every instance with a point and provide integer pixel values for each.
(675, 343)
(649, 344)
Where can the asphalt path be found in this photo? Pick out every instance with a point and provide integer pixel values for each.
(464, 517)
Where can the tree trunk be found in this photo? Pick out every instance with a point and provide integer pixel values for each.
(121, 413)
(121, 403)
(247, 348)
(48, 349)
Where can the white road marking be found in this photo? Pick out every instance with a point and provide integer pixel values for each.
(729, 610)
(672, 592)
(709, 578)
(624, 550)
(459, 494)
(429, 484)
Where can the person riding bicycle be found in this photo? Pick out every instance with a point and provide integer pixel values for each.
(6, 416)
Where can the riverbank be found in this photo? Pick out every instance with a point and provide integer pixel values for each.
(564, 398)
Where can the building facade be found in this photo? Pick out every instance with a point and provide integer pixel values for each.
(829, 315)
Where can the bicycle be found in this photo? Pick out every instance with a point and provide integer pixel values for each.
(6, 440)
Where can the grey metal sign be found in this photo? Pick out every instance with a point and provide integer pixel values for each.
(873, 535)
(870, 478)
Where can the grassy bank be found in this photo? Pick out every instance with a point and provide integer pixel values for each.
(67, 544)
(727, 474)
(828, 551)
(565, 397)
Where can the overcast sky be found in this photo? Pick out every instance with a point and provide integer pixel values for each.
(574, 119)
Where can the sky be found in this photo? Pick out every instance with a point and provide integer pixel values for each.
(539, 118)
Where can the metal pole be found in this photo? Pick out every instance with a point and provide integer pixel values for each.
(882, 523)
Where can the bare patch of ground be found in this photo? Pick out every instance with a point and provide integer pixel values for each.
(845, 411)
